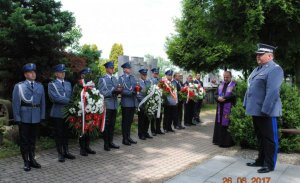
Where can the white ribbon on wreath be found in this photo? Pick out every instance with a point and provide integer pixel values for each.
(152, 89)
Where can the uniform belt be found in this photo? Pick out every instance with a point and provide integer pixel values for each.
(30, 105)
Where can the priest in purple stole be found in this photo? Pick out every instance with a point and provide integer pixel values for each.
(226, 98)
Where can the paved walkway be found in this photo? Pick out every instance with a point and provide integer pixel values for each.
(154, 160)
(232, 170)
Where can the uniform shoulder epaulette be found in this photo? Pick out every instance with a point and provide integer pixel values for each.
(21, 82)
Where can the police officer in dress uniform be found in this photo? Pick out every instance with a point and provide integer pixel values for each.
(262, 102)
(84, 140)
(28, 103)
(170, 108)
(155, 123)
(109, 87)
(189, 106)
(60, 92)
(143, 120)
(198, 104)
(128, 102)
(178, 84)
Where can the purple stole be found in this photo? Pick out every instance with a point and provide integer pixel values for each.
(227, 106)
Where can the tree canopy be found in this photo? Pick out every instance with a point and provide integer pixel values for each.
(215, 34)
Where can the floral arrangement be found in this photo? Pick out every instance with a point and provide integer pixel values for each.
(86, 112)
(167, 88)
(153, 101)
(193, 92)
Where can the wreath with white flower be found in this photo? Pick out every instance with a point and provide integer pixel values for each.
(86, 112)
(152, 101)
(193, 92)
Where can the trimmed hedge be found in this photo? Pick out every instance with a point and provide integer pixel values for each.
(241, 126)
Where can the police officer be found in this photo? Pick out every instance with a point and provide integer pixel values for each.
(155, 123)
(60, 92)
(178, 84)
(128, 102)
(262, 102)
(28, 103)
(198, 104)
(170, 107)
(109, 87)
(84, 140)
(143, 120)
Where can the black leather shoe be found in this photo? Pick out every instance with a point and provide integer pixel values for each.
(254, 164)
(89, 150)
(106, 148)
(126, 142)
(26, 166)
(114, 146)
(34, 164)
(83, 152)
(153, 133)
(142, 137)
(265, 170)
(61, 158)
(187, 124)
(171, 130)
(181, 127)
(148, 136)
(160, 132)
(132, 141)
(166, 131)
(69, 156)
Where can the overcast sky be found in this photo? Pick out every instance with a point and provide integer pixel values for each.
(140, 25)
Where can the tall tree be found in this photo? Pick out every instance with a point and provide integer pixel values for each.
(32, 31)
(92, 55)
(115, 52)
(223, 34)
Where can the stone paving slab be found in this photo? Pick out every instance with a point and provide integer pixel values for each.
(233, 170)
(154, 160)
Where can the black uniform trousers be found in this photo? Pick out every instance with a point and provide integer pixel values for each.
(143, 123)
(197, 109)
(180, 112)
(61, 131)
(156, 123)
(110, 121)
(267, 136)
(189, 112)
(28, 134)
(127, 119)
(170, 117)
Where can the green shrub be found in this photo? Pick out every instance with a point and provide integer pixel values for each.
(241, 126)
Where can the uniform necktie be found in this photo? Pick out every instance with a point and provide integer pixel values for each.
(62, 83)
(31, 84)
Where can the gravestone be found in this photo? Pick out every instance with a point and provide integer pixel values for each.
(137, 63)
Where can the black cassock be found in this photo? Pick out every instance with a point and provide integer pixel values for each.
(221, 135)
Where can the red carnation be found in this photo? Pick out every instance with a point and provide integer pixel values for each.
(88, 117)
(191, 94)
(72, 119)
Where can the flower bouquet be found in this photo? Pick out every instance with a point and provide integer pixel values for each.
(193, 92)
(86, 112)
(167, 88)
(152, 101)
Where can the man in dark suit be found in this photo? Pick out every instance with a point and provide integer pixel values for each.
(178, 84)
(198, 104)
(189, 106)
